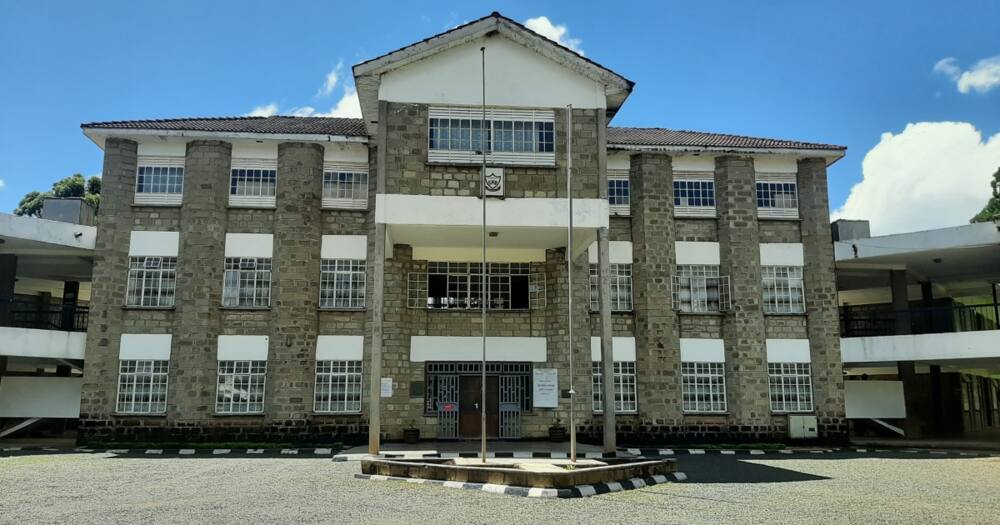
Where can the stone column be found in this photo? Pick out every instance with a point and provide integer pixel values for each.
(820, 282)
(607, 349)
(100, 376)
(200, 266)
(297, 237)
(658, 357)
(743, 326)
(377, 289)
(557, 319)
(8, 278)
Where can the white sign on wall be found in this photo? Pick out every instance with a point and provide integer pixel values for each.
(494, 182)
(545, 388)
(386, 384)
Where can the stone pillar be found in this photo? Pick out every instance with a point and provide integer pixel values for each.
(607, 349)
(377, 290)
(200, 267)
(743, 326)
(8, 278)
(557, 319)
(820, 283)
(297, 237)
(100, 376)
(658, 358)
(900, 301)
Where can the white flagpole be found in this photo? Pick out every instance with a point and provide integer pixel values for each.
(569, 280)
(483, 282)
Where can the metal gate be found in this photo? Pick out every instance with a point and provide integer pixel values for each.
(512, 394)
(447, 406)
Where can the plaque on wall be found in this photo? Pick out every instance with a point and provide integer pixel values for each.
(494, 182)
(545, 388)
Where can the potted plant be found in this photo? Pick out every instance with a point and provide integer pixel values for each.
(411, 434)
(557, 432)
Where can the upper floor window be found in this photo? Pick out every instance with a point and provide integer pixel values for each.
(783, 290)
(506, 136)
(342, 284)
(703, 387)
(345, 189)
(247, 282)
(777, 196)
(619, 194)
(159, 180)
(151, 281)
(458, 285)
(252, 187)
(699, 288)
(790, 387)
(620, 276)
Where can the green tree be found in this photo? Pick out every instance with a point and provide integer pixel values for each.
(992, 208)
(73, 186)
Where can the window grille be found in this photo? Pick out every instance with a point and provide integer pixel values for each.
(694, 193)
(152, 282)
(783, 290)
(620, 276)
(343, 189)
(440, 384)
(457, 285)
(509, 136)
(338, 387)
(777, 199)
(342, 283)
(241, 387)
(247, 282)
(703, 387)
(790, 387)
(619, 194)
(626, 396)
(699, 288)
(252, 187)
(142, 386)
(159, 184)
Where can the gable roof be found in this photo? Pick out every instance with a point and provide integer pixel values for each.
(348, 127)
(660, 137)
(367, 74)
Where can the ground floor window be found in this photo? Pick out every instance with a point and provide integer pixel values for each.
(620, 277)
(142, 386)
(626, 398)
(790, 386)
(703, 387)
(241, 387)
(338, 387)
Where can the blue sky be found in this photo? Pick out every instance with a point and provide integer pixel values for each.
(841, 72)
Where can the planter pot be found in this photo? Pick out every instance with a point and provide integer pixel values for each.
(411, 435)
(557, 434)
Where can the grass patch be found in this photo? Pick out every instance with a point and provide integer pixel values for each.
(230, 445)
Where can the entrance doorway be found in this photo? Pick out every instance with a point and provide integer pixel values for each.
(469, 415)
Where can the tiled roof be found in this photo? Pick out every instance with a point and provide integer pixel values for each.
(669, 137)
(351, 127)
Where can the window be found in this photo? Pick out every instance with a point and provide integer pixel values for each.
(458, 285)
(247, 282)
(783, 290)
(618, 195)
(159, 184)
(703, 387)
(694, 193)
(241, 387)
(151, 282)
(790, 386)
(620, 276)
(343, 189)
(342, 283)
(625, 386)
(699, 288)
(142, 386)
(510, 136)
(252, 187)
(777, 199)
(338, 387)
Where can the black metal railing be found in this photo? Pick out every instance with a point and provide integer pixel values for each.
(30, 314)
(865, 322)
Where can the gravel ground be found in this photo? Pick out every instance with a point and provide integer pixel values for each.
(836, 488)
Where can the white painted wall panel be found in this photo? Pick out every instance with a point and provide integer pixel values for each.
(619, 161)
(30, 342)
(344, 247)
(704, 163)
(144, 346)
(619, 252)
(782, 254)
(439, 348)
(154, 147)
(773, 164)
(703, 350)
(874, 400)
(158, 244)
(249, 245)
(923, 347)
(427, 210)
(697, 252)
(788, 351)
(253, 150)
(25, 397)
(340, 347)
(622, 348)
(242, 347)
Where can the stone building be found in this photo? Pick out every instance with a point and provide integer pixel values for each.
(270, 277)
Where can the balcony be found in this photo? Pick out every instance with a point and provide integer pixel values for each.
(32, 314)
(866, 321)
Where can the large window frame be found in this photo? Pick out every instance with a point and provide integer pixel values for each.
(619, 194)
(345, 188)
(253, 184)
(777, 196)
(694, 194)
(338, 387)
(159, 184)
(626, 387)
(240, 386)
(703, 387)
(620, 276)
(342, 284)
(142, 386)
(510, 136)
(457, 286)
(152, 282)
(247, 282)
(698, 288)
(790, 387)
(784, 290)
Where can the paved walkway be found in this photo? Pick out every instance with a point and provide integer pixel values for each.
(435, 447)
(953, 444)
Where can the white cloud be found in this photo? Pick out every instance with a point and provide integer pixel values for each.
(932, 175)
(981, 77)
(557, 33)
(331, 80)
(263, 111)
(2, 184)
(348, 106)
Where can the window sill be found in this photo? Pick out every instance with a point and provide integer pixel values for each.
(705, 413)
(790, 314)
(613, 312)
(787, 219)
(250, 207)
(337, 413)
(342, 208)
(478, 310)
(711, 217)
(154, 308)
(151, 205)
(246, 308)
(802, 413)
(617, 413)
(136, 414)
(710, 314)
(490, 162)
(247, 414)
(322, 309)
